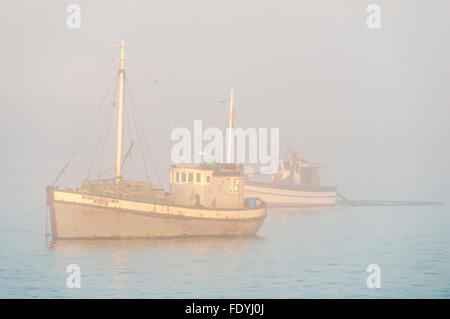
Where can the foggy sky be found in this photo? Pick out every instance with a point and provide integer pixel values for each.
(371, 103)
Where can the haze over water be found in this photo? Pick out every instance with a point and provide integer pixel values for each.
(309, 254)
(371, 105)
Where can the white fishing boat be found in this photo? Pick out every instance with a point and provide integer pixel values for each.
(295, 184)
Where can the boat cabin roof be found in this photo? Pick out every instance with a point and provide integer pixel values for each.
(217, 169)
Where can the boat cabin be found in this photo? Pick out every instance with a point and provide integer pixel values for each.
(296, 171)
(207, 185)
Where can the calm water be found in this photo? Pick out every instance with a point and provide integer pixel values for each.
(307, 254)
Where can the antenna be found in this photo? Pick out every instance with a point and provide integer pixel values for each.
(230, 126)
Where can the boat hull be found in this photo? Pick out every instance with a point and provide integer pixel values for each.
(79, 216)
(287, 196)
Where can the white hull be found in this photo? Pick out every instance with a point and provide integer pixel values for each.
(278, 196)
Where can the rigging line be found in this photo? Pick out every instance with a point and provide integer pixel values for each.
(128, 154)
(127, 116)
(105, 142)
(138, 136)
(100, 175)
(143, 133)
(139, 126)
(127, 120)
(85, 132)
(104, 130)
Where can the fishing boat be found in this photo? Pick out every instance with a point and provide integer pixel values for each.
(204, 200)
(295, 184)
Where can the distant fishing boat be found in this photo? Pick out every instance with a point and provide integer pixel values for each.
(205, 200)
(295, 184)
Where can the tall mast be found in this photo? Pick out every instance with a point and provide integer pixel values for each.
(230, 127)
(120, 115)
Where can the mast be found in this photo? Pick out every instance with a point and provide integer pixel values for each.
(120, 115)
(230, 127)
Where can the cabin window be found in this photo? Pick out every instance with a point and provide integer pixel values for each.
(234, 185)
(183, 177)
(191, 177)
(208, 179)
(177, 177)
(198, 178)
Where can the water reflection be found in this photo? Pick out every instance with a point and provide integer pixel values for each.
(198, 244)
(138, 266)
(298, 210)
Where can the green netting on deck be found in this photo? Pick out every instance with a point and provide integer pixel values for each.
(138, 191)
